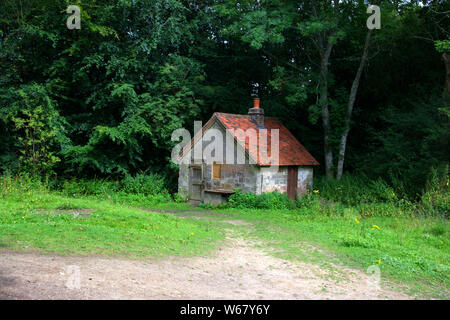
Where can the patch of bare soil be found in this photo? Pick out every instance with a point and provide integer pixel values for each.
(238, 222)
(238, 270)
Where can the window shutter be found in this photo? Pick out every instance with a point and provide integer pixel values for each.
(217, 171)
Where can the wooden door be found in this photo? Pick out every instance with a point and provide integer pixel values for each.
(196, 184)
(292, 182)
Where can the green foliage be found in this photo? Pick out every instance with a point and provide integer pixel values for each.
(122, 82)
(435, 201)
(365, 237)
(206, 206)
(103, 101)
(381, 210)
(353, 190)
(179, 198)
(442, 45)
(89, 187)
(257, 26)
(354, 195)
(272, 200)
(415, 140)
(47, 223)
(37, 125)
(145, 190)
(22, 184)
(151, 183)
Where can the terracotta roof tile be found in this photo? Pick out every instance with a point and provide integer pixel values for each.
(292, 152)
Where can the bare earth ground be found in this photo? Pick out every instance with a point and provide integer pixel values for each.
(238, 270)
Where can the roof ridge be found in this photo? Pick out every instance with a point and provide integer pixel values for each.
(246, 116)
(291, 151)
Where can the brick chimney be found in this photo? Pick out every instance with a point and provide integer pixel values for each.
(256, 113)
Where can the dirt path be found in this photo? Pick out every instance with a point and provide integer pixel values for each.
(238, 270)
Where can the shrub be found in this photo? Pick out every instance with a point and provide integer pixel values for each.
(206, 206)
(309, 203)
(435, 201)
(38, 128)
(91, 187)
(151, 183)
(140, 199)
(354, 190)
(272, 200)
(21, 183)
(142, 184)
(179, 198)
(438, 230)
(379, 210)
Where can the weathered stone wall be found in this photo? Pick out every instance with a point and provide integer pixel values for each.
(233, 176)
(305, 180)
(242, 176)
(183, 180)
(274, 180)
(277, 180)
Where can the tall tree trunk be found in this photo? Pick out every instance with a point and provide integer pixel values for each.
(351, 102)
(323, 101)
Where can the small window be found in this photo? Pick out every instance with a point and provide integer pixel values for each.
(217, 171)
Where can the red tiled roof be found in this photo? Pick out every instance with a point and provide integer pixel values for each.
(291, 151)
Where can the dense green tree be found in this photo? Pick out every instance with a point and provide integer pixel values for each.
(105, 99)
(37, 126)
(122, 82)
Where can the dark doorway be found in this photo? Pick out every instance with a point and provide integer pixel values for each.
(292, 182)
(196, 184)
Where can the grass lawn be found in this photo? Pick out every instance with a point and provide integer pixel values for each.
(53, 223)
(409, 250)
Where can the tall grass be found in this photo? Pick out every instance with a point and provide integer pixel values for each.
(142, 189)
(354, 190)
(21, 184)
(272, 200)
(435, 201)
(368, 198)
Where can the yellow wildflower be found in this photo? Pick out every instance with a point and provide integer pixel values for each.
(379, 261)
(376, 227)
(191, 234)
(316, 191)
(356, 220)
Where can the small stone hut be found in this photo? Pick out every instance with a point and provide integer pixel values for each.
(214, 182)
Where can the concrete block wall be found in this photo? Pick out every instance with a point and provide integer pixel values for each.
(305, 180)
(274, 180)
(233, 176)
(183, 180)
